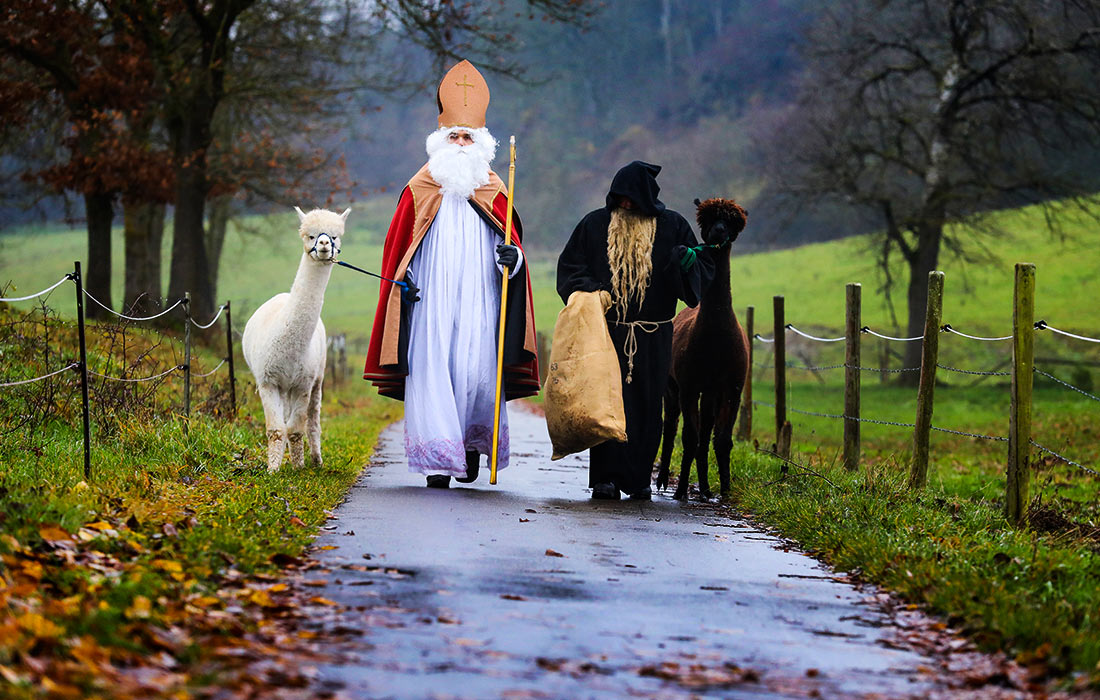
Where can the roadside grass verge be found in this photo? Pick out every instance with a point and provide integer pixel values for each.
(135, 581)
(1030, 594)
(948, 548)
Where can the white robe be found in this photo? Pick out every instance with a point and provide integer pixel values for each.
(453, 330)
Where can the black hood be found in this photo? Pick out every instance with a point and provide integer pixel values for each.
(638, 181)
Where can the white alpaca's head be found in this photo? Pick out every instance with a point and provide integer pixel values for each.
(321, 231)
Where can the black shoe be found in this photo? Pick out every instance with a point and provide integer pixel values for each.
(642, 495)
(439, 481)
(605, 492)
(473, 466)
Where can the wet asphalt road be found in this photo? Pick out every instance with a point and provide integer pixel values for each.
(458, 593)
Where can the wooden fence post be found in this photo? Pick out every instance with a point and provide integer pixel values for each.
(83, 369)
(852, 375)
(782, 425)
(331, 359)
(744, 428)
(186, 361)
(1019, 422)
(918, 471)
(343, 356)
(229, 358)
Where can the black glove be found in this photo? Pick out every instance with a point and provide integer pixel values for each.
(507, 256)
(410, 293)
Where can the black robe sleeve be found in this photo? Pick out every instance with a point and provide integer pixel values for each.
(689, 284)
(575, 269)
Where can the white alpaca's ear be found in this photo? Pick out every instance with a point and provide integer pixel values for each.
(344, 216)
(301, 214)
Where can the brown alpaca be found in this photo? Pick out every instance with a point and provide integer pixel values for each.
(709, 361)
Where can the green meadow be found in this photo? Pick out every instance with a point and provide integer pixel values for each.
(262, 254)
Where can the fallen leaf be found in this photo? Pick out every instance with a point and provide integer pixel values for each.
(168, 565)
(552, 553)
(328, 547)
(206, 601)
(511, 596)
(323, 601)
(53, 534)
(140, 609)
(261, 598)
(295, 520)
(38, 626)
(284, 560)
(169, 529)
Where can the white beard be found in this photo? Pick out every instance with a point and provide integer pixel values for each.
(460, 169)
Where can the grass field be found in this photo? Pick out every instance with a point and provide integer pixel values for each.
(262, 255)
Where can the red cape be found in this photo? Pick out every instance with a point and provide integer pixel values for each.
(387, 365)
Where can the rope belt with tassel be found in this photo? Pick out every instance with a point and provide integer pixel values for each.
(630, 347)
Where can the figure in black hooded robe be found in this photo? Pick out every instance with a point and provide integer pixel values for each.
(637, 250)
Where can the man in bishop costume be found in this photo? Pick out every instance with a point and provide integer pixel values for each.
(434, 344)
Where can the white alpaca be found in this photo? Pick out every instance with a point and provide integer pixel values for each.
(284, 344)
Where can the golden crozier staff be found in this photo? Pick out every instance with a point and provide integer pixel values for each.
(503, 309)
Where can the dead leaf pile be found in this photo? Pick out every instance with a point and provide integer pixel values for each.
(105, 611)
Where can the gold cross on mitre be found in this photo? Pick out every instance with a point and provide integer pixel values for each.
(458, 104)
(465, 85)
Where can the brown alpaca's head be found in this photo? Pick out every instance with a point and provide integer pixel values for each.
(720, 220)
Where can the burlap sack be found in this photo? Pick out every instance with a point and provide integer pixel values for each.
(583, 394)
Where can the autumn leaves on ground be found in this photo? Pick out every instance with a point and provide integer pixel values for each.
(162, 573)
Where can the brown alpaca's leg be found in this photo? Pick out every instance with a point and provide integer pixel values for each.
(689, 439)
(672, 420)
(723, 439)
(702, 451)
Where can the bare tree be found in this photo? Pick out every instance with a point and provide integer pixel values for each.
(292, 58)
(927, 113)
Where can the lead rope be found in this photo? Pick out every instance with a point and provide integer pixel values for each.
(630, 347)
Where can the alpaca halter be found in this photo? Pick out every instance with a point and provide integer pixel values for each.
(335, 248)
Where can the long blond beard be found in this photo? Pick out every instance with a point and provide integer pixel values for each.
(630, 254)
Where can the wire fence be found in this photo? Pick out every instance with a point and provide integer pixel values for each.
(81, 364)
(1021, 370)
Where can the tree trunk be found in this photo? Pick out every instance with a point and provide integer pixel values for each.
(190, 268)
(925, 260)
(144, 234)
(99, 210)
(215, 236)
